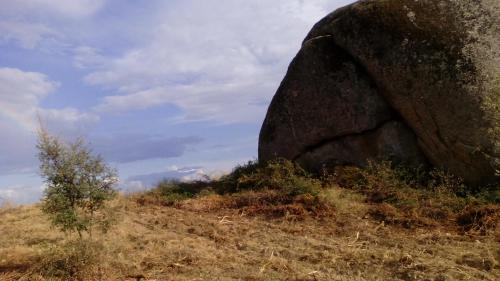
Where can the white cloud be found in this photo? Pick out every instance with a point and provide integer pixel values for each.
(27, 35)
(21, 93)
(67, 121)
(20, 96)
(17, 149)
(20, 194)
(27, 23)
(61, 8)
(221, 65)
(87, 57)
(224, 103)
(126, 148)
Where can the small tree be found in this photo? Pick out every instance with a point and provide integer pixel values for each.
(78, 184)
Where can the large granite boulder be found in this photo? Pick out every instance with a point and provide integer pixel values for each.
(403, 80)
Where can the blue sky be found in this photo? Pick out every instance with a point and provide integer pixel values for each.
(171, 88)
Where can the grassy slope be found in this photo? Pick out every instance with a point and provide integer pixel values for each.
(199, 239)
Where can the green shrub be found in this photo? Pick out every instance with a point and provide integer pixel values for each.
(490, 194)
(171, 191)
(231, 183)
(282, 175)
(78, 185)
(256, 188)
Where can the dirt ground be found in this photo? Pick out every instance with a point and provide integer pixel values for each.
(196, 241)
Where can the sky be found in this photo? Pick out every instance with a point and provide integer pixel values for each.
(172, 88)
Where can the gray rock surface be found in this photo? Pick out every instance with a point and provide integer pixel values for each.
(392, 141)
(432, 65)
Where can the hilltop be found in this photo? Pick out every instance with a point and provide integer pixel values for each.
(326, 230)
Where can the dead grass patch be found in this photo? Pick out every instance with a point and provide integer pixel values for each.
(412, 198)
(267, 203)
(480, 219)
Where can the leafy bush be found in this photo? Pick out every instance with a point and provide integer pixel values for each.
(490, 194)
(277, 188)
(279, 175)
(78, 184)
(282, 175)
(168, 192)
(171, 191)
(231, 183)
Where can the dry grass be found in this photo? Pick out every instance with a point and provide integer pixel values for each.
(272, 222)
(215, 237)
